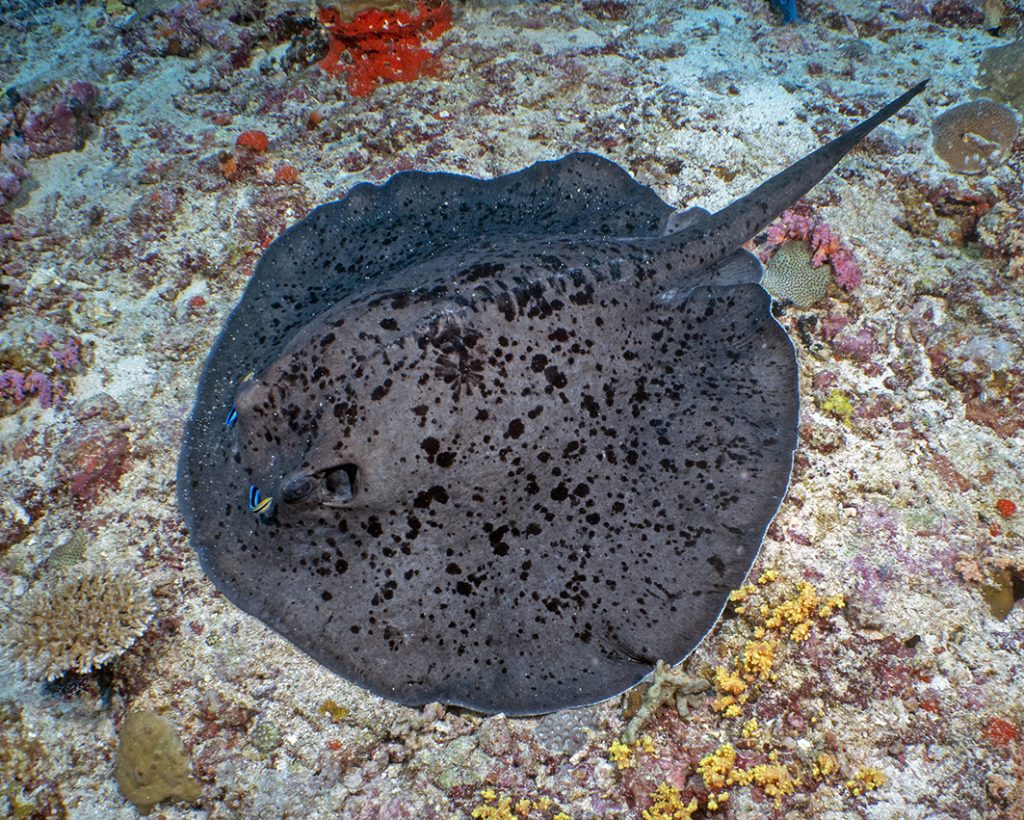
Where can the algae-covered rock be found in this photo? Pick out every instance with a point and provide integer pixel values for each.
(151, 764)
(1001, 74)
(28, 786)
(457, 763)
(265, 736)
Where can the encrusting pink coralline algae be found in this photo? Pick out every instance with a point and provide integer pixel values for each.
(825, 243)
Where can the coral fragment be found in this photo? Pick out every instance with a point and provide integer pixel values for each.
(253, 141)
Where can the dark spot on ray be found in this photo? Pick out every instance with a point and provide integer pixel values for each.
(555, 377)
(523, 435)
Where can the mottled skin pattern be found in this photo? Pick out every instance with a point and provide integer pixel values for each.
(522, 436)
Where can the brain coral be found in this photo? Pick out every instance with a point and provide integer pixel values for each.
(790, 277)
(77, 623)
(975, 136)
(566, 732)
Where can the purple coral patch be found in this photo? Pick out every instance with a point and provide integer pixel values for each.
(17, 387)
(827, 246)
(59, 122)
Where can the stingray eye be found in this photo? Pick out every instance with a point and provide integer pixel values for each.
(297, 488)
(341, 482)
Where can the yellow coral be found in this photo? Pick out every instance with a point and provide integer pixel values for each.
(334, 711)
(795, 610)
(621, 755)
(793, 617)
(668, 805)
(715, 800)
(758, 657)
(776, 614)
(825, 766)
(801, 631)
(774, 780)
(799, 611)
(832, 603)
(729, 682)
(867, 779)
(742, 593)
(500, 810)
(734, 692)
(717, 767)
(837, 404)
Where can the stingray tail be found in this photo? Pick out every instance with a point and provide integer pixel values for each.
(723, 232)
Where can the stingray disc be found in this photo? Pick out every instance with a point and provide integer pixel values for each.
(501, 446)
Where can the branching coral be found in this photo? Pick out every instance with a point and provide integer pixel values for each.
(667, 685)
(77, 623)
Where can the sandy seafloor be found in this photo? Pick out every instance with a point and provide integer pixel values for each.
(907, 702)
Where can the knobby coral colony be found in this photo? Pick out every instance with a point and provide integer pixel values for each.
(791, 276)
(151, 764)
(383, 45)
